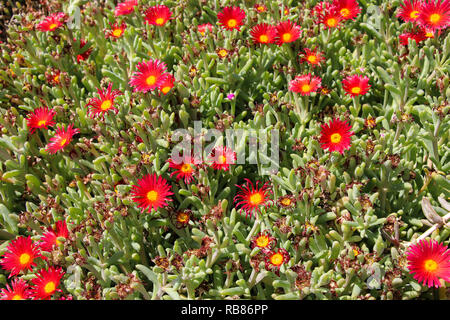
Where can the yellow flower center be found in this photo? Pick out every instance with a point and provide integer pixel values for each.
(186, 168)
(52, 26)
(429, 35)
(24, 258)
(222, 159)
(262, 241)
(431, 265)
(331, 22)
(306, 88)
(56, 78)
(435, 18)
(17, 297)
(276, 259)
(355, 252)
(255, 199)
(232, 23)
(117, 32)
(152, 195)
(106, 105)
(287, 37)
(356, 90)
(263, 38)
(42, 123)
(49, 287)
(414, 14)
(182, 217)
(63, 142)
(312, 58)
(57, 242)
(223, 53)
(160, 21)
(166, 89)
(336, 138)
(286, 202)
(151, 80)
(345, 12)
(261, 9)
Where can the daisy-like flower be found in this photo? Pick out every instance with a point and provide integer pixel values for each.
(435, 14)
(264, 241)
(46, 283)
(158, 15)
(286, 202)
(263, 33)
(287, 32)
(85, 53)
(61, 139)
(331, 18)
(124, 8)
(252, 198)
(20, 255)
(150, 76)
(305, 84)
(50, 237)
(103, 104)
(40, 118)
(222, 52)
(52, 22)
(275, 259)
(313, 57)
(231, 18)
(184, 170)
(222, 157)
(348, 9)
(181, 218)
(409, 11)
(116, 31)
(203, 27)
(53, 77)
(151, 192)
(336, 136)
(167, 84)
(356, 85)
(428, 261)
(19, 290)
(260, 8)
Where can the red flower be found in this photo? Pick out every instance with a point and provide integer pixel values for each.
(20, 255)
(19, 290)
(181, 218)
(202, 28)
(52, 22)
(428, 261)
(125, 8)
(150, 76)
(287, 32)
(416, 36)
(348, 9)
(305, 84)
(336, 136)
(260, 8)
(50, 237)
(84, 53)
(184, 170)
(252, 198)
(409, 10)
(40, 118)
(231, 18)
(331, 18)
(46, 283)
(274, 260)
(356, 85)
(158, 15)
(435, 14)
(116, 31)
(264, 241)
(222, 157)
(167, 84)
(263, 33)
(105, 103)
(312, 57)
(151, 192)
(61, 139)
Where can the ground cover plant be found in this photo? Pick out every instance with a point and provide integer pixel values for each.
(334, 186)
